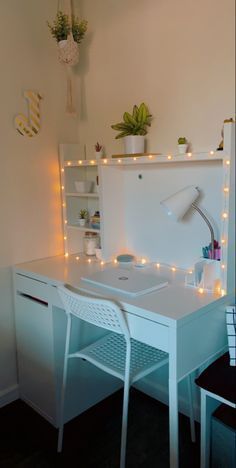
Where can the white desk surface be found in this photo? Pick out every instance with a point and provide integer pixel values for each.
(174, 305)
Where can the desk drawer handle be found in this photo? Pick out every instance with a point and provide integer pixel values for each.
(33, 298)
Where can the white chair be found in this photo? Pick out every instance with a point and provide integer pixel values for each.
(116, 353)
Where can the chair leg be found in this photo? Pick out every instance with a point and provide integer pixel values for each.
(191, 409)
(124, 424)
(64, 378)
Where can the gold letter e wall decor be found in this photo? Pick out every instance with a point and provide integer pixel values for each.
(30, 125)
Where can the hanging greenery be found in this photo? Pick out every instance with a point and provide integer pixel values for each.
(61, 27)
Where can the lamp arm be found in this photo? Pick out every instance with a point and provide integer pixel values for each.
(210, 227)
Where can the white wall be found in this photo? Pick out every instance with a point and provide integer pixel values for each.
(29, 183)
(177, 56)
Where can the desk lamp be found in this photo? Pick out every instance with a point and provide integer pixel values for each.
(177, 205)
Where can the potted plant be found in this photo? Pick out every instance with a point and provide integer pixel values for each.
(68, 34)
(98, 150)
(68, 31)
(182, 145)
(83, 217)
(134, 128)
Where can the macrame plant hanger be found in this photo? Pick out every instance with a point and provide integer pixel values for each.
(68, 53)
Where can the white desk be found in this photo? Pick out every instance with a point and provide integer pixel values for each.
(176, 319)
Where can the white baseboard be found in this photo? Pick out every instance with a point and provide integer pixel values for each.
(8, 395)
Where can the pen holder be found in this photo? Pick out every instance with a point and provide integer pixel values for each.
(206, 274)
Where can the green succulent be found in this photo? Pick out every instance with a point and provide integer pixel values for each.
(61, 27)
(135, 123)
(182, 141)
(83, 214)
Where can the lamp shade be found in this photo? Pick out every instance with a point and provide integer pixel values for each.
(179, 203)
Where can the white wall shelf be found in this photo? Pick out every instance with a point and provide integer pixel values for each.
(83, 195)
(130, 191)
(73, 169)
(85, 228)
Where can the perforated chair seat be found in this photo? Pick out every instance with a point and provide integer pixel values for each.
(109, 354)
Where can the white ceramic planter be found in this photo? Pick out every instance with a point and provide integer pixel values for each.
(182, 149)
(99, 154)
(134, 144)
(82, 222)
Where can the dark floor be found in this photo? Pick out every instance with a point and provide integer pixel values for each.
(92, 440)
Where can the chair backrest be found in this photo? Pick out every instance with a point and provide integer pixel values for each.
(99, 311)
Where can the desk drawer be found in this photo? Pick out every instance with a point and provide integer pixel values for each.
(151, 333)
(34, 289)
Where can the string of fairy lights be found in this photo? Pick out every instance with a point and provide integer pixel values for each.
(150, 158)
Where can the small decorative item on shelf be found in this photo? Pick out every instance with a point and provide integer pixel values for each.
(95, 220)
(83, 217)
(182, 145)
(207, 251)
(96, 187)
(221, 145)
(98, 151)
(133, 128)
(91, 243)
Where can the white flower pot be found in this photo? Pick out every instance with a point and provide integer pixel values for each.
(182, 149)
(134, 144)
(99, 154)
(82, 222)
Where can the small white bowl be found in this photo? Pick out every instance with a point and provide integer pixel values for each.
(84, 186)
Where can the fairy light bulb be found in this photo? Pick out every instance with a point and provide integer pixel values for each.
(150, 156)
(201, 290)
(102, 263)
(92, 161)
(104, 161)
(189, 155)
(226, 189)
(65, 238)
(62, 187)
(66, 221)
(135, 159)
(173, 268)
(119, 161)
(115, 260)
(62, 170)
(224, 215)
(190, 272)
(69, 163)
(212, 152)
(169, 157)
(222, 292)
(64, 205)
(223, 266)
(158, 265)
(66, 254)
(80, 162)
(227, 162)
(77, 258)
(223, 241)
(89, 260)
(143, 261)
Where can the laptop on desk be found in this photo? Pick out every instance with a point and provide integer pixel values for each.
(133, 283)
